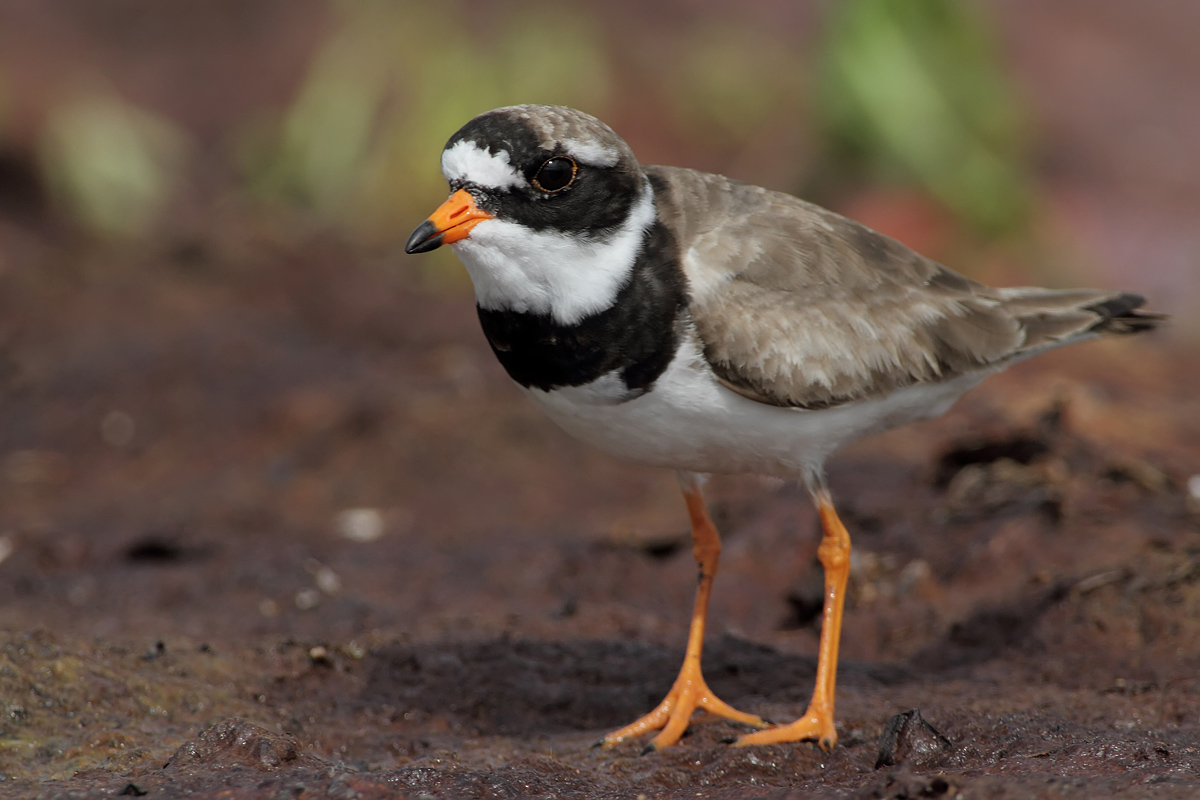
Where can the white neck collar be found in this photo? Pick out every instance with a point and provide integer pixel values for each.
(564, 275)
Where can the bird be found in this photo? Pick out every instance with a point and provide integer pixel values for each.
(685, 320)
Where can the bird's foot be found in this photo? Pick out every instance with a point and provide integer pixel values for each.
(813, 725)
(673, 714)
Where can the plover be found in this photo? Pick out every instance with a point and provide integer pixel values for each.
(685, 320)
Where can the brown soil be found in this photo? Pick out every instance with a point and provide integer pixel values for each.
(185, 423)
(1027, 569)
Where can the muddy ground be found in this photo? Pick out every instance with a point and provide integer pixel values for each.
(276, 524)
(273, 522)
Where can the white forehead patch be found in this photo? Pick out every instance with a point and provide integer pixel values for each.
(468, 162)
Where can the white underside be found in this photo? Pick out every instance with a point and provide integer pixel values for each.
(688, 421)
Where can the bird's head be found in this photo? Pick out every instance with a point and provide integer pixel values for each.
(547, 208)
(540, 167)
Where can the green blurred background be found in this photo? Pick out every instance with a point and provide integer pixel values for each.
(1044, 141)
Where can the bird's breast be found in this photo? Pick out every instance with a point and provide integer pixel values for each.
(633, 337)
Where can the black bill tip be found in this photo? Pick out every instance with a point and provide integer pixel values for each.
(425, 238)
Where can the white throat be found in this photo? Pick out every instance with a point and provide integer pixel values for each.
(514, 268)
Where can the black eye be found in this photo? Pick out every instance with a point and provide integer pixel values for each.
(555, 175)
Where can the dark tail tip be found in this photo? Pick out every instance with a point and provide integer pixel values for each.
(1122, 314)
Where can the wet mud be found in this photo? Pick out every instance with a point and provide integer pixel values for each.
(339, 556)
(274, 523)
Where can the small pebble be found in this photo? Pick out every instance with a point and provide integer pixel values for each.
(307, 599)
(328, 581)
(908, 737)
(360, 524)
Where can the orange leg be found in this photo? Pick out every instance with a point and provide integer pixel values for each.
(690, 691)
(817, 722)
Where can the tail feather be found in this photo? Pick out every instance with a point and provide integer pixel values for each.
(1122, 314)
(1051, 317)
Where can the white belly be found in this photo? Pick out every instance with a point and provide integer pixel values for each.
(689, 421)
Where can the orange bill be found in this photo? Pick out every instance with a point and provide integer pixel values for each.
(452, 222)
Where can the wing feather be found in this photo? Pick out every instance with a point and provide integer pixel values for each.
(797, 306)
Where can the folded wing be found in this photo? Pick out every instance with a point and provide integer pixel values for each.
(797, 306)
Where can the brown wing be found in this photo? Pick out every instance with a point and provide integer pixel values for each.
(798, 306)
